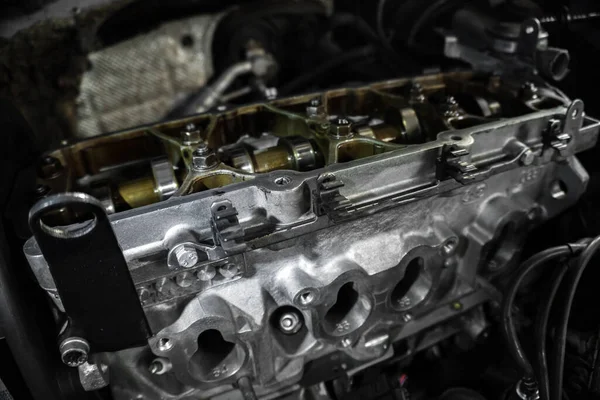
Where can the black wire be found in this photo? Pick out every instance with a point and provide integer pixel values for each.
(302, 81)
(561, 331)
(379, 21)
(508, 328)
(541, 330)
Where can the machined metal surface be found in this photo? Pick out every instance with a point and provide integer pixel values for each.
(268, 278)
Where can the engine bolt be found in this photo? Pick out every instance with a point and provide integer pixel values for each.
(290, 323)
(206, 273)
(229, 270)
(159, 366)
(341, 128)
(346, 342)
(143, 294)
(187, 256)
(184, 279)
(191, 134)
(529, 91)
(74, 351)
(407, 317)
(203, 157)
(316, 109)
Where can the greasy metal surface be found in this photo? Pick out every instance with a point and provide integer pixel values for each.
(388, 240)
(136, 81)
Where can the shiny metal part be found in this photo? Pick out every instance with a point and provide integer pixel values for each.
(74, 351)
(164, 178)
(93, 376)
(325, 239)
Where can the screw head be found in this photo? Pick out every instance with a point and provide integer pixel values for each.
(74, 351)
(184, 279)
(186, 256)
(206, 273)
(191, 134)
(229, 270)
(290, 323)
(341, 127)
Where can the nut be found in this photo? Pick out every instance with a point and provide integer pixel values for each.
(187, 256)
(203, 158)
(316, 109)
(341, 128)
(191, 134)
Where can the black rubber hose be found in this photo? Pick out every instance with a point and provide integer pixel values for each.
(508, 328)
(558, 353)
(541, 330)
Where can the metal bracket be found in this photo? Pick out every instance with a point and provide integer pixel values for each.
(560, 133)
(455, 163)
(227, 231)
(328, 198)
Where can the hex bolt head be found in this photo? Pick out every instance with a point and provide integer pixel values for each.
(74, 351)
(229, 270)
(341, 128)
(316, 109)
(206, 273)
(407, 317)
(203, 158)
(290, 323)
(191, 134)
(187, 256)
(346, 342)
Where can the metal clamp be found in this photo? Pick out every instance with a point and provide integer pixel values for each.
(454, 161)
(561, 133)
(328, 198)
(227, 231)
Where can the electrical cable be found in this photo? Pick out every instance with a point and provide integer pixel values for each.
(508, 328)
(561, 332)
(427, 14)
(379, 21)
(541, 329)
(301, 81)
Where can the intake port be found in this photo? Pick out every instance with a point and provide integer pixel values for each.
(414, 286)
(216, 358)
(348, 313)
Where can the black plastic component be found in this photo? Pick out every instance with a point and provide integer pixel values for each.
(90, 272)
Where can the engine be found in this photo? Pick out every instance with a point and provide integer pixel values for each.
(263, 245)
(299, 200)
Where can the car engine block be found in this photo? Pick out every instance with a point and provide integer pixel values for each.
(288, 242)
